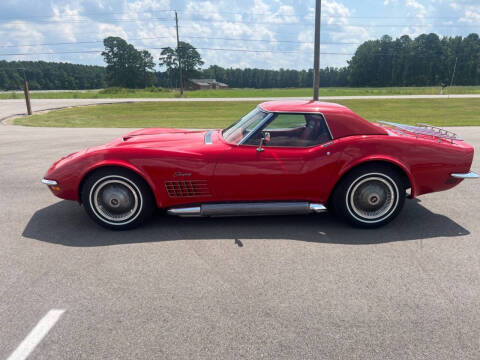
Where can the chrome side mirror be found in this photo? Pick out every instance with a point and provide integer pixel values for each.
(264, 140)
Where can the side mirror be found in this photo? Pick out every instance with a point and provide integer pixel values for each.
(264, 140)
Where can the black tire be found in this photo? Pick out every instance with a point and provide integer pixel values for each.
(117, 199)
(370, 196)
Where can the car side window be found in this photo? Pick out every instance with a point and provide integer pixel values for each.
(294, 130)
(286, 122)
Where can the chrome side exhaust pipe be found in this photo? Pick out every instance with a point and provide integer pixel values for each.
(248, 209)
(186, 212)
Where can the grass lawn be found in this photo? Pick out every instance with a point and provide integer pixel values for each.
(441, 112)
(236, 93)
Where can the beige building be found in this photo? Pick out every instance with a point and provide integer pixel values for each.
(197, 84)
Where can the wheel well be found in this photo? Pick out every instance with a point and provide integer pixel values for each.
(401, 172)
(111, 168)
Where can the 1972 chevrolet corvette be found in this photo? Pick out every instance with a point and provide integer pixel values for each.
(284, 157)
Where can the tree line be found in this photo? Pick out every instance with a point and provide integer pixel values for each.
(50, 75)
(426, 60)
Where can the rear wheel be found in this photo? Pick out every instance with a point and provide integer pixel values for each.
(117, 199)
(370, 196)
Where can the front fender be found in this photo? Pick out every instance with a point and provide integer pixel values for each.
(122, 164)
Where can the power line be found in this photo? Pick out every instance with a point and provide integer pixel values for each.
(325, 16)
(251, 40)
(86, 14)
(55, 53)
(328, 25)
(274, 41)
(79, 21)
(243, 50)
(278, 23)
(188, 37)
(79, 42)
(162, 48)
(208, 49)
(299, 24)
(199, 48)
(100, 14)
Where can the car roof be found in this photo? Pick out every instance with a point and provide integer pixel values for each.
(303, 106)
(341, 121)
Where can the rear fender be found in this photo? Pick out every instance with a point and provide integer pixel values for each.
(379, 158)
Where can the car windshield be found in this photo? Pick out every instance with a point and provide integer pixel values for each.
(237, 131)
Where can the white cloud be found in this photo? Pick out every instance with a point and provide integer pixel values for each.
(65, 11)
(470, 12)
(335, 12)
(419, 10)
(472, 15)
(252, 26)
(341, 30)
(21, 33)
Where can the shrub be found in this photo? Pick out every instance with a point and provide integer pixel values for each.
(112, 90)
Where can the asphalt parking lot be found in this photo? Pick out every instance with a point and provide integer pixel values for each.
(295, 287)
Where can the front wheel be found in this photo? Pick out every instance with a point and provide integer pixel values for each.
(117, 199)
(370, 196)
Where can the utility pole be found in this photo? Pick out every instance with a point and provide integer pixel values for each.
(26, 92)
(316, 60)
(454, 70)
(179, 57)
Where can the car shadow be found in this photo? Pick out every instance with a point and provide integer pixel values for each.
(66, 223)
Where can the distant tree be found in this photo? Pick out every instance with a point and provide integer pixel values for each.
(4, 81)
(127, 66)
(190, 57)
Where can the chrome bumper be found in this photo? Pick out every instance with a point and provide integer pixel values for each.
(470, 175)
(49, 182)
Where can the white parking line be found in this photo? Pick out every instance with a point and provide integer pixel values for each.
(36, 335)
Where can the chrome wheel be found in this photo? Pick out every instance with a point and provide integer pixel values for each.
(115, 200)
(372, 198)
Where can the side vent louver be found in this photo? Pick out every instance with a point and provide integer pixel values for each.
(192, 188)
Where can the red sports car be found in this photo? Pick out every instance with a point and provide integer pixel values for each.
(284, 157)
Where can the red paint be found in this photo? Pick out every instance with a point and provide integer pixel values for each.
(240, 173)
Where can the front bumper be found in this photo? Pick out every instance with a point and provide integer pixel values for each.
(470, 175)
(49, 182)
(53, 186)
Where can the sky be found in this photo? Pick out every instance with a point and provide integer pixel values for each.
(269, 34)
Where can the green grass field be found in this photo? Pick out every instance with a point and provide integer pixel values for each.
(441, 112)
(239, 93)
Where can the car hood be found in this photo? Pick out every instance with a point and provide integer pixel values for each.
(163, 138)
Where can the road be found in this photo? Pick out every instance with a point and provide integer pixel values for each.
(9, 108)
(294, 287)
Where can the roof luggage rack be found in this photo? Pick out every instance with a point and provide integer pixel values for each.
(425, 130)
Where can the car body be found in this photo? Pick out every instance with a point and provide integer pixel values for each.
(283, 157)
